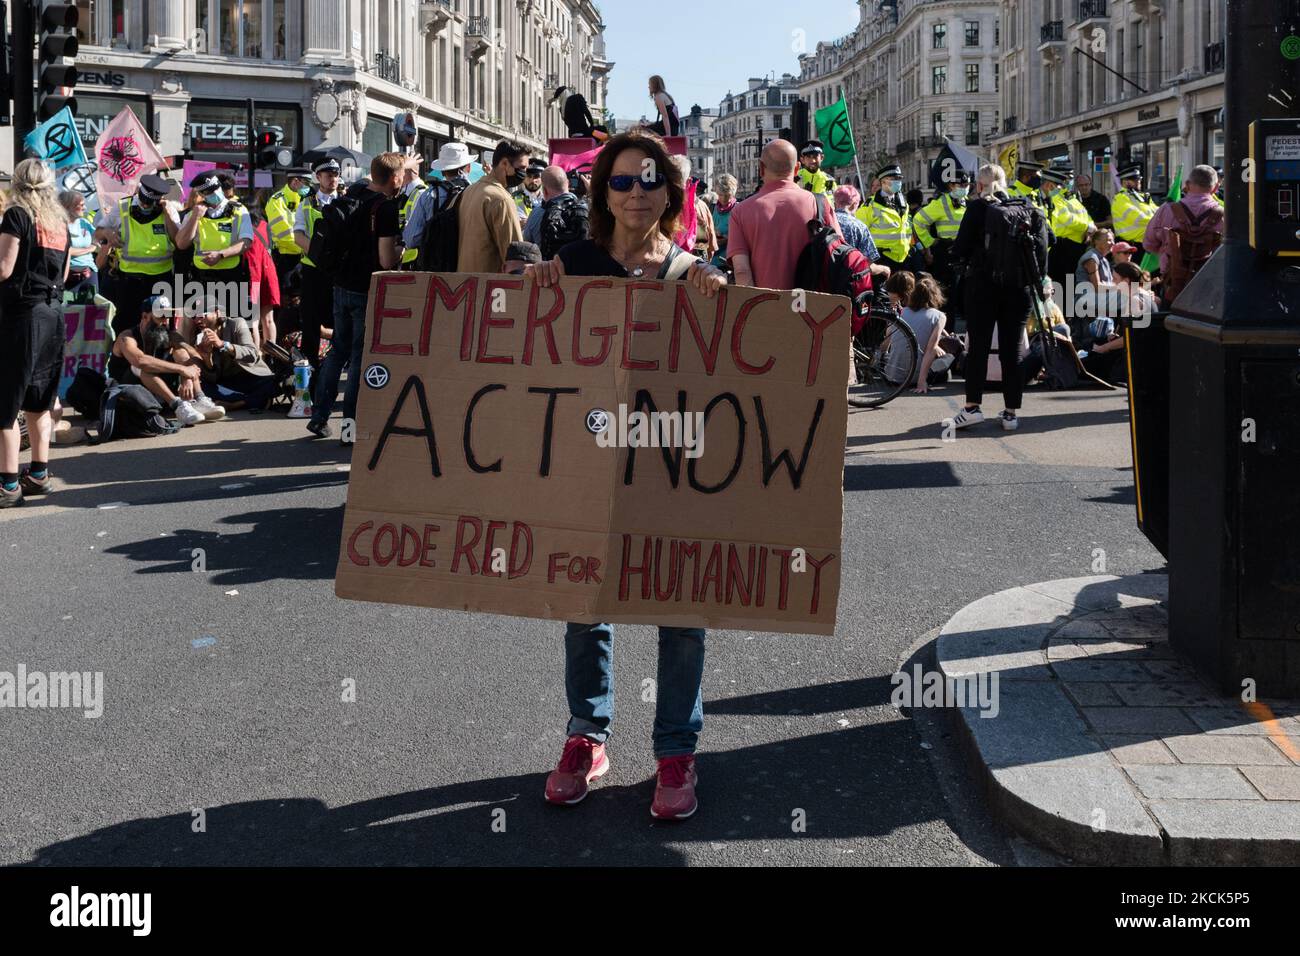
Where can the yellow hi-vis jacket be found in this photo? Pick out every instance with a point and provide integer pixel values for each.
(146, 247)
(218, 234)
(1070, 219)
(1131, 211)
(409, 255)
(280, 210)
(938, 220)
(312, 217)
(890, 229)
(817, 183)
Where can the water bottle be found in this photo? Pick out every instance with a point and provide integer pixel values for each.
(302, 406)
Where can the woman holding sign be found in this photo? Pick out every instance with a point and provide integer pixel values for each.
(637, 197)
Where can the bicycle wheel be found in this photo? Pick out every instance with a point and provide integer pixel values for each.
(885, 344)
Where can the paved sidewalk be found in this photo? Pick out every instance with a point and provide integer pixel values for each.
(1105, 746)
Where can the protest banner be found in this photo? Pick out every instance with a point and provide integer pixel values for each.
(87, 328)
(482, 477)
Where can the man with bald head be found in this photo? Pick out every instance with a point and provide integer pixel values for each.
(769, 230)
(560, 218)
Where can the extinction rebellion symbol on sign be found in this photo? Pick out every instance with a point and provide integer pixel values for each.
(376, 376)
(841, 137)
(60, 143)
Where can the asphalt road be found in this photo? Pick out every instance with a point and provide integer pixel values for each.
(223, 686)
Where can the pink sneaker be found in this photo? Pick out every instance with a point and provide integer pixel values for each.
(675, 788)
(583, 761)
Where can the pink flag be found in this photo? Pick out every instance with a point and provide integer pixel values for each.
(124, 153)
(191, 169)
(575, 162)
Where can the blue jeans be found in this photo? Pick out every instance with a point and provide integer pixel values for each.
(679, 703)
(345, 350)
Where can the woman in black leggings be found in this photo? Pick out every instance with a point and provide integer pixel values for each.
(992, 304)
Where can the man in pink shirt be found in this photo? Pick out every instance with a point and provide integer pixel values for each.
(770, 229)
(1198, 197)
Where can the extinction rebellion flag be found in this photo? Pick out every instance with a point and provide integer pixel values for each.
(56, 141)
(836, 134)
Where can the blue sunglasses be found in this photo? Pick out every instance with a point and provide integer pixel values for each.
(623, 184)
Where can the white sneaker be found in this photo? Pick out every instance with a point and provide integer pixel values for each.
(187, 414)
(964, 418)
(210, 410)
(1010, 421)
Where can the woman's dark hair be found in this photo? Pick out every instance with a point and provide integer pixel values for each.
(1127, 270)
(926, 295)
(901, 284)
(643, 141)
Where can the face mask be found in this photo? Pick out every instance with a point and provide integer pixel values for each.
(304, 191)
(895, 188)
(214, 198)
(961, 192)
(146, 205)
(515, 179)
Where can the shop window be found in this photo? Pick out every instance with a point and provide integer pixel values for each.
(219, 130)
(94, 112)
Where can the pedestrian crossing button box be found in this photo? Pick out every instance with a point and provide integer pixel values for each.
(1274, 178)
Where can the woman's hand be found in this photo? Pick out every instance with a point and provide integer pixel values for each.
(921, 388)
(707, 278)
(545, 274)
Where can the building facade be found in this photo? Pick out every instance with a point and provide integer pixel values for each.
(1102, 83)
(825, 76)
(697, 127)
(336, 71)
(748, 121)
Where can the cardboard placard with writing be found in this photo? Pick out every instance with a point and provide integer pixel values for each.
(483, 478)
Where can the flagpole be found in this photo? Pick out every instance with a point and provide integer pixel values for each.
(848, 120)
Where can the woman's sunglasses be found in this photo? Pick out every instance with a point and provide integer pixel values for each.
(623, 184)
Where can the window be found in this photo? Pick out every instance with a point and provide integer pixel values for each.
(219, 130)
(938, 80)
(244, 28)
(972, 33)
(87, 30)
(940, 41)
(972, 128)
(936, 124)
(972, 77)
(95, 112)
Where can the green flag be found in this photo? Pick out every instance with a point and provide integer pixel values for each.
(836, 134)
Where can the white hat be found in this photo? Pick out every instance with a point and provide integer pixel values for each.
(452, 156)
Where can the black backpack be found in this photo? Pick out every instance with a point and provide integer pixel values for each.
(440, 244)
(335, 237)
(829, 264)
(564, 220)
(1010, 228)
(87, 391)
(131, 411)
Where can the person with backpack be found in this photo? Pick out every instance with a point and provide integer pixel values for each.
(34, 246)
(316, 304)
(769, 231)
(1001, 249)
(1186, 233)
(560, 218)
(634, 216)
(435, 203)
(356, 237)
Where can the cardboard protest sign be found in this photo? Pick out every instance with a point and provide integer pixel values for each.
(87, 329)
(483, 476)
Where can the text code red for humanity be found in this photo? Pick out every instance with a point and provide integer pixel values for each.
(479, 481)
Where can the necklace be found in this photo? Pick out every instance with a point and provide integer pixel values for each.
(638, 271)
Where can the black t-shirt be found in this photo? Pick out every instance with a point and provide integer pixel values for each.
(1098, 206)
(585, 258)
(161, 349)
(36, 270)
(378, 216)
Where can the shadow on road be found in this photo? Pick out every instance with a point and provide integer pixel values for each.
(845, 782)
(282, 544)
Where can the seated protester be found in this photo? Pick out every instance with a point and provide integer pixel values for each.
(1105, 358)
(520, 255)
(230, 363)
(147, 354)
(1121, 252)
(921, 311)
(1134, 287)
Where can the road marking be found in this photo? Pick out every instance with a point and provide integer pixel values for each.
(110, 505)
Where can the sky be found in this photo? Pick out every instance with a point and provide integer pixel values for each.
(704, 49)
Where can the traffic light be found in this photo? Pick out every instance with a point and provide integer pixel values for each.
(270, 153)
(58, 48)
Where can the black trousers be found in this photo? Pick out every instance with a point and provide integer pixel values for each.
(992, 307)
(317, 309)
(284, 264)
